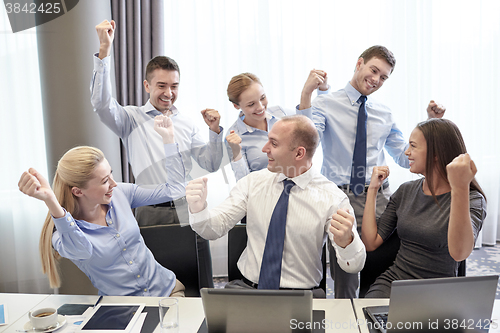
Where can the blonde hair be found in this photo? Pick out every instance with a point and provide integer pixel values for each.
(239, 84)
(74, 169)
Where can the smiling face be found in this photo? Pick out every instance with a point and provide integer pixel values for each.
(417, 152)
(253, 103)
(280, 153)
(370, 76)
(99, 189)
(162, 87)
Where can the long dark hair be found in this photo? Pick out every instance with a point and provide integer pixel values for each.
(445, 142)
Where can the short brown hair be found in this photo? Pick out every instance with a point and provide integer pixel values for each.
(239, 84)
(161, 62)
(304, 133)
(381, 52)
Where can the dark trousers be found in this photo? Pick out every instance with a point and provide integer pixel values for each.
(158, 215)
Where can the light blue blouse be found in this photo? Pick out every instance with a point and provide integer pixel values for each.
(252, 142)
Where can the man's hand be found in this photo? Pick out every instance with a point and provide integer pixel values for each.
(379, 174)
(461, 171)
(316, 79)
(35, 185)
(212, 118)
(341, 228)
(106, 33)
(196, 195)
(165, 127)
(234, 142)
(435, 110)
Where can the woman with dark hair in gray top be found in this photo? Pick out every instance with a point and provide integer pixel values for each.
(438, 216)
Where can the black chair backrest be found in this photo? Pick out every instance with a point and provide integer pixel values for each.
(175, 248)
(377, 262)
(236, 243)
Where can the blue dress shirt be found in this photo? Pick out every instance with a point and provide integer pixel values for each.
(335, 117)
(134, 125)
(115, 257)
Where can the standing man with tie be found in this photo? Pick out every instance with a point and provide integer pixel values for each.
(291, 209)
(354, 128)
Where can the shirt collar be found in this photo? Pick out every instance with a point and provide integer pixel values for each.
(301, 180)
(151, 110)
(92, 226)
(244, 128)
(353, 94)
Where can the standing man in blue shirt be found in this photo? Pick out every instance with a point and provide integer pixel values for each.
(144, 147)
(335, 116)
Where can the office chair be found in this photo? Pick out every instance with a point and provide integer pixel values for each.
(175, 247)
(73, 280)
(236, 243)
(378, 261)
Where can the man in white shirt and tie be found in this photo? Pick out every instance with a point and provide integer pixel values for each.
(316, 209)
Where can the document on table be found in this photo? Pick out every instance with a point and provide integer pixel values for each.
(3, 315)
(138, 324)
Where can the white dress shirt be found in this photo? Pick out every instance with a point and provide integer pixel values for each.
(311, 204)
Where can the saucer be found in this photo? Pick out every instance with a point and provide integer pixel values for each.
(61, 321)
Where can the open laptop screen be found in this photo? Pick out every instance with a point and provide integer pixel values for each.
(457, 304)
(252, 310)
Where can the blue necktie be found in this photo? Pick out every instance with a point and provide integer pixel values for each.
(270, 269)
(358, 173)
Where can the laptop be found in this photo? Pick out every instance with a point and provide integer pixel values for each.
(457, 304)
(254, 310)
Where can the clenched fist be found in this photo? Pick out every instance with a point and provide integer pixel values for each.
(196, 195)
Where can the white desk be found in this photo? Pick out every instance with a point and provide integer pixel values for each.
(18, 306)
(360, 303)
(495, 316)
(339, 315)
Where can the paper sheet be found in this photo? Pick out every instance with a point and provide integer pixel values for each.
(138, 324)
(3, 315)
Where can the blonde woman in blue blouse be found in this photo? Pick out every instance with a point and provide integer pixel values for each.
(90, 221)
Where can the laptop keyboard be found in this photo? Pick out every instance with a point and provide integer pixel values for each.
(382, 319)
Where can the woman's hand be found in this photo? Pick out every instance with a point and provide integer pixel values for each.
(379, 174)
(461, 171)
(35, 185)
(234, 142)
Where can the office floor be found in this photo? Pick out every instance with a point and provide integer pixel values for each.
(482, 261)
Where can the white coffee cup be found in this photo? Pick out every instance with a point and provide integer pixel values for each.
(44, 318)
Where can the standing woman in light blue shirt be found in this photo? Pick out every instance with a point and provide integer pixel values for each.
(90, 221)
(248, 134)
